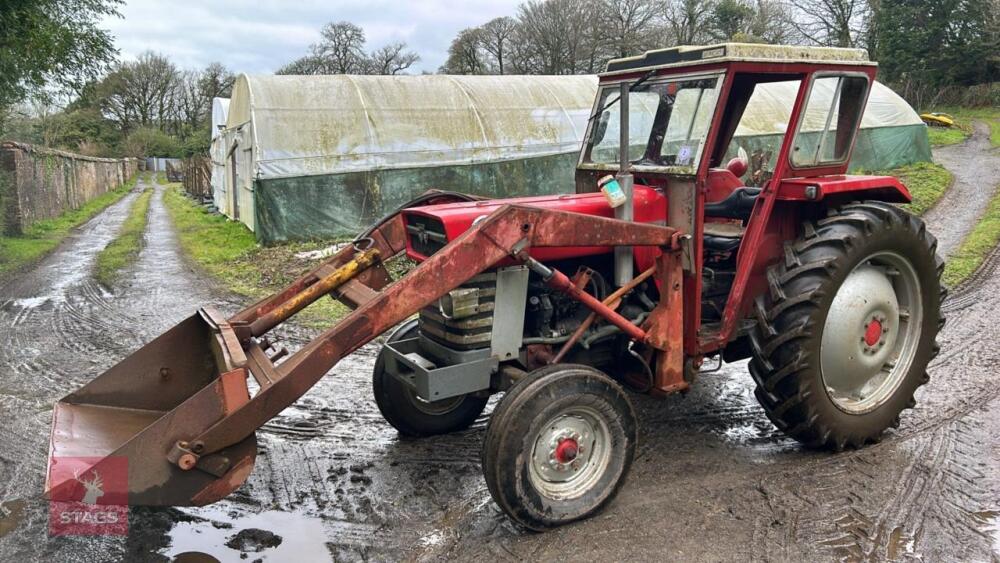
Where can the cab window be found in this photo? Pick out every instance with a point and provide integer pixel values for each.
(829, 121)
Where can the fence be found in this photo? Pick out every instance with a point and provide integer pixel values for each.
(39, 183)
(159, 163)
(197, 176)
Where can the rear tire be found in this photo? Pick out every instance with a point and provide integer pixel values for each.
(559, 445)
(848, 326)
(409, 414)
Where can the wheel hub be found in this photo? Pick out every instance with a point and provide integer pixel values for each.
(871, 333)
(570, 453)
(875, 334)
(567, 450)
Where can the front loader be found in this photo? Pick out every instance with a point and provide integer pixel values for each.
(566, 303)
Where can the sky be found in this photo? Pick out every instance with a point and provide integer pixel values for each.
(259, 36)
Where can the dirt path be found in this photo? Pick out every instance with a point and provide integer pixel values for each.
(976, 167)
(713, 480)
(59, 329)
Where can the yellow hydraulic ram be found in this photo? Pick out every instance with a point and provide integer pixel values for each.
(325, 285)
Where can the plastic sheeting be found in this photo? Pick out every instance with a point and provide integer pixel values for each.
(304, 125)
(220, 114)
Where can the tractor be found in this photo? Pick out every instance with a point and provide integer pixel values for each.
(671, 254)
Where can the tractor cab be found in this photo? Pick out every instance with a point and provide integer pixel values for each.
(671, 120)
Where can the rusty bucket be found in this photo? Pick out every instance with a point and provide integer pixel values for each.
(134, 415)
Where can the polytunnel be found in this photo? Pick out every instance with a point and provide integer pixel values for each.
(322, 156)
(217, 150)
(306, 157)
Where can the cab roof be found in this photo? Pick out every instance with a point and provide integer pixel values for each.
(694, 55)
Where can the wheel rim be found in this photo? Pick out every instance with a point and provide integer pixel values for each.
(871, 333)
(433, 408)
(570, 453)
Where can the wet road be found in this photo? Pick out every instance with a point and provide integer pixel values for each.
(976, 169)
(713, 480)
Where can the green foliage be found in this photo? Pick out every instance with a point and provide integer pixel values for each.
(56, 42)
(228, 252)
(149, 141)
(938, 42)
(926, 181)
(730, 18)
(125, 249)
(44, 236)
(976, 246)
(941, 136)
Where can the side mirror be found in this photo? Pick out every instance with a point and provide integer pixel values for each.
(602, 127)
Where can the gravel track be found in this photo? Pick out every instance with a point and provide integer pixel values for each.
(713, 480)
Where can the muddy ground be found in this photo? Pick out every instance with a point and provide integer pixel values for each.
(713, 479)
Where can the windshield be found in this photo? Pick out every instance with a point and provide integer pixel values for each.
(668, 122)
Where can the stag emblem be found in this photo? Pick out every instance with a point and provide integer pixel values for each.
(94, 487)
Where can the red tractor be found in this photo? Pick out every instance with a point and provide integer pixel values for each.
(566, 303)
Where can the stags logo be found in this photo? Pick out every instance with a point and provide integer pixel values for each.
(92, 498)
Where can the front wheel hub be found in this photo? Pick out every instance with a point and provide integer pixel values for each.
(567, 450)
(570, 453)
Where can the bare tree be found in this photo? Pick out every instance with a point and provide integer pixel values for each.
(141, 92)
(831, 23)
(631, 25)
(216, 81)
(751, 21)
(391, 59)
(494, 38)
(309, 64)
(557, 31)
(689, 21)
(465, 55)
(771, 23)
(341, 48)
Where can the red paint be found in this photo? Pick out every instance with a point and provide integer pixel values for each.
(650, 207)
(567, 450)
(562, 283)
(884, 188)
(873, 333)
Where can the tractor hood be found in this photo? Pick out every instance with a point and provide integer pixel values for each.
(431, 227)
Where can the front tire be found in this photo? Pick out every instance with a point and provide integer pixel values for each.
(848, 326)
(409, 414)
(559, 445)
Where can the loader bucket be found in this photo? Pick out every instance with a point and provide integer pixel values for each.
(133, 415)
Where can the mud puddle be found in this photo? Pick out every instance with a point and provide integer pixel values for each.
(229, 536)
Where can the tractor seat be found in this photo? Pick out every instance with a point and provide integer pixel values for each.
(723, 237)
(737, 205)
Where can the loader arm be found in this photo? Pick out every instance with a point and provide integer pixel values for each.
(189, 437)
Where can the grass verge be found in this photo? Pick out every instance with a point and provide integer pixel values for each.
(227, 251)
(977, 244)
(940, 136)
(926, 181)
(126, 247)
(44, 236)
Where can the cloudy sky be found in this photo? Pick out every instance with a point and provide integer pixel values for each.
(258, 36)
